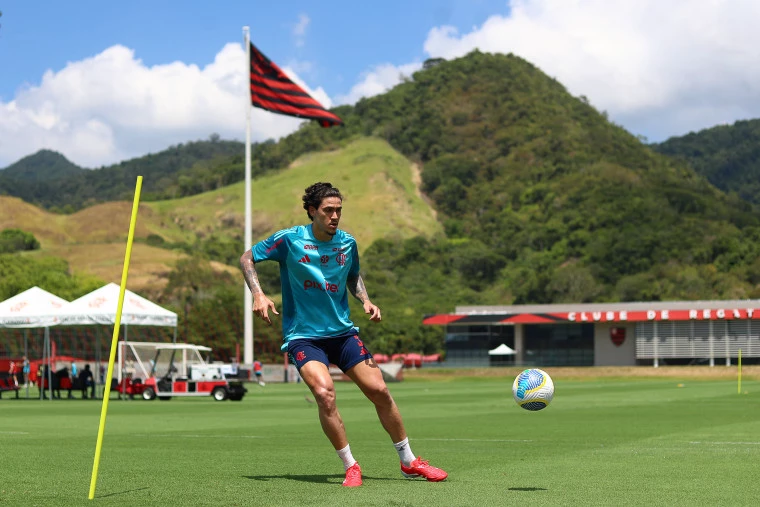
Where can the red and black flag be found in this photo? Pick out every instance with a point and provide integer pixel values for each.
(272, 90)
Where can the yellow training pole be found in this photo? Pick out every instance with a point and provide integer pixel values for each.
(740, 371)
(115, 339)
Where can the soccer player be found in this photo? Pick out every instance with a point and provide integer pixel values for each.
(319, 266)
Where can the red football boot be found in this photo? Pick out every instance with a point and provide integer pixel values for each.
(420, 468)
(353, 476)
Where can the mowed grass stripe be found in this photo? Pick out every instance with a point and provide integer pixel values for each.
(599, 443)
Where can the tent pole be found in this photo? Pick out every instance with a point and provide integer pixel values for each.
(44, 355)
(98, 355)
(26, 354)
(119, 372)
(50, 363)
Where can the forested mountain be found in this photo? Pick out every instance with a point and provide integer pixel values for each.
(540, 197)
(43, 165)
(48, 180)
(556, 203)
(727, 155)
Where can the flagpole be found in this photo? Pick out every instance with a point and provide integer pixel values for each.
(247, 298)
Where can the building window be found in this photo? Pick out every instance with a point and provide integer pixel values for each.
(469, 345)
(559, 345)
(698, 341)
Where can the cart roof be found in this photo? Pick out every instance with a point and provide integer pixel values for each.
(180, 346)
(169, 346)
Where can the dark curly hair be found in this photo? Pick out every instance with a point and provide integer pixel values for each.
(315, 193)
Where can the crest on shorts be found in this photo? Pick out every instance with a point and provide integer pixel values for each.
(617, 335)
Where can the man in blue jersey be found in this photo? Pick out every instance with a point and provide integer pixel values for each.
(319, 266)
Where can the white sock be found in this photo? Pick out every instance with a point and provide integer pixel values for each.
(404, 452)
(345, 455)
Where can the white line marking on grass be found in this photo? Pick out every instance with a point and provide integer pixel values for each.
(472, 440)
(727, 443)
(179, 435)
(14, 433)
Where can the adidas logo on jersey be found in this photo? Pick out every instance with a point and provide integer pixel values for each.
(305, 259)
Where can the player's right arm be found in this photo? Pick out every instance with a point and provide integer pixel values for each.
(261, 303)
(274, 248)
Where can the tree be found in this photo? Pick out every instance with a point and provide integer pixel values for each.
(20, 272)
(16, 240)
(191, 281)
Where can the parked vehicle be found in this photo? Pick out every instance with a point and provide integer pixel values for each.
(178, 369)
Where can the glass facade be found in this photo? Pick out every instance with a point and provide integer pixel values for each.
(469, 345)
(558, 345)
(543, 344)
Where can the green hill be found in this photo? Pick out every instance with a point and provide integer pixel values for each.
(573, 207)
(538, 198)
(48, 180)
(43, 165)
(727, 155)
(382, 200)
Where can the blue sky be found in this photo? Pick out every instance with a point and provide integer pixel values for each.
(102, 82)
(341, 40)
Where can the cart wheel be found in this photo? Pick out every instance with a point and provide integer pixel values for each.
(149, 394)
(219, 393)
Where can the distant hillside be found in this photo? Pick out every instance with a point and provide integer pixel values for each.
(573, 207)
(727, 155)
(43, 165)
(382, 199)
(542, 199)
(525, 194)
(48, 180)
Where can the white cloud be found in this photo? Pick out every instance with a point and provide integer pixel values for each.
(299, 30)
(659, 68)
(112, 107)
(378, 80)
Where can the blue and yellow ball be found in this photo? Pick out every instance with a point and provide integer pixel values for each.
(533, 389)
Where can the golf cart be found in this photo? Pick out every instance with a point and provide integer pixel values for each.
(176, 369)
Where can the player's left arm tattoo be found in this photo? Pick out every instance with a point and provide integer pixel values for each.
(355, 284)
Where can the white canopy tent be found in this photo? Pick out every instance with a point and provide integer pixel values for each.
(502, 350)
(100, 306)
(33, 308)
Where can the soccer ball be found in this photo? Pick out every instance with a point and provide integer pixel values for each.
(533, 389)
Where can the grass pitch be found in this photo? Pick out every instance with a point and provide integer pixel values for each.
(621, 441)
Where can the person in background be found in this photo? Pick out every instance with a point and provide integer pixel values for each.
(44, 382)
(25, 369)
(86, 380)
(12, 373)
(258, 373)
(319, 267)
(63, 381)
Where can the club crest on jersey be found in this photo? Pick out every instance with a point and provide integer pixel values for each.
(341, 259)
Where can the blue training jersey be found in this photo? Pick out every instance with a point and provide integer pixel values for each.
(313, 274)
